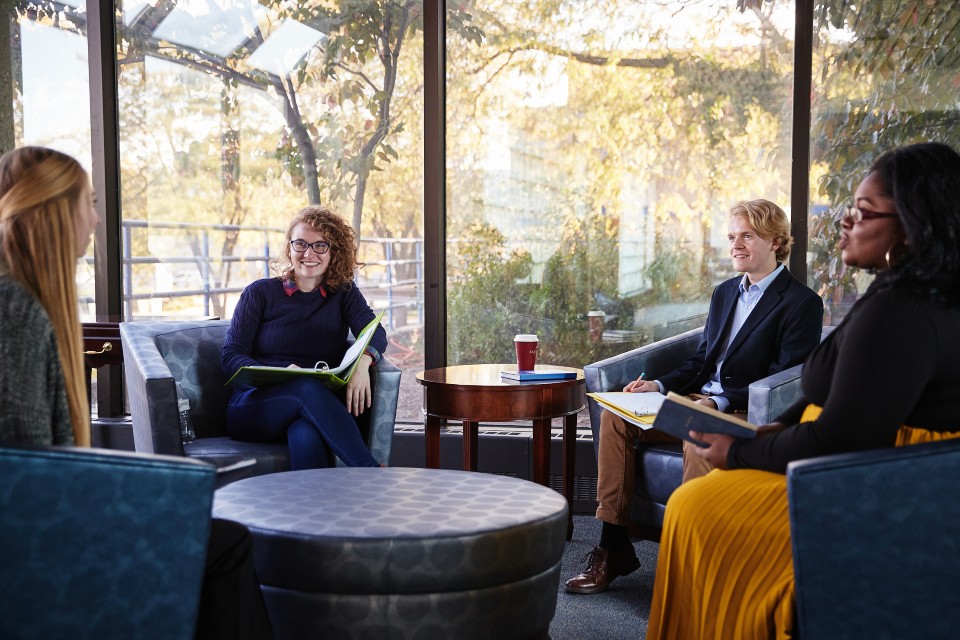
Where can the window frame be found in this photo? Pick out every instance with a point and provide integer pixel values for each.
(101, 34)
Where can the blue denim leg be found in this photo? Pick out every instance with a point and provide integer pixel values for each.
(307, 447)
(266, 414)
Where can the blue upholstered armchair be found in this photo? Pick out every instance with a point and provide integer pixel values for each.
(159, 357)
(875, 543)
(101, 544)
(660, 465)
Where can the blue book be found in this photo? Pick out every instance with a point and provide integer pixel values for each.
(678, 415)
(545, 374)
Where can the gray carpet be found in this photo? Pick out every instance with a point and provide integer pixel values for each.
(619, 612)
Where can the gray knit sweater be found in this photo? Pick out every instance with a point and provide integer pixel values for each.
(33, 399)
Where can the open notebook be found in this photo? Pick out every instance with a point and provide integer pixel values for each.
(334, 378)
(638, 408)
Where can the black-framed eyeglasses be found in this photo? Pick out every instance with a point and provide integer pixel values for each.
(858, 214)
(300, 246)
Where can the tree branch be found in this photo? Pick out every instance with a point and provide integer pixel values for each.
(594, 59)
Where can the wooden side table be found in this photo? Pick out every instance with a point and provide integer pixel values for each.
(474, 393)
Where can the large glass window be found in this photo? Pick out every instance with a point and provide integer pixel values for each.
(234, 114)
(885, 74)
(47, 66)
(594, 150)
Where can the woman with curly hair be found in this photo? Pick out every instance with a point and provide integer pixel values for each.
(887, 376)
(296, 319)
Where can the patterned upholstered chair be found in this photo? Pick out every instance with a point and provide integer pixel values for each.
(101, 544)
(159, 357)
(874, 537)
(660, 465)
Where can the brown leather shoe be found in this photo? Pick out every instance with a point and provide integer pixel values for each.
(602, 567)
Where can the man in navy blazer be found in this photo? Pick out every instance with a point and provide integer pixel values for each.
(759, 323)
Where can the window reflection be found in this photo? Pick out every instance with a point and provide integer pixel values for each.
(874, 88)
(234, 115)
(47, 62)
(593, 154)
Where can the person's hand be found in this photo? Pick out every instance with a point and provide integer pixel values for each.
(641, 386)
(710, 403)
(358, 395)
(773, 427)
(718, 445)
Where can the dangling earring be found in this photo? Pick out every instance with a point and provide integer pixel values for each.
(895, 254)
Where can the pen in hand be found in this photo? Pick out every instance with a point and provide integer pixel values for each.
(633, 384)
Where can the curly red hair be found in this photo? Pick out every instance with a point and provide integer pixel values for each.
(335, 231)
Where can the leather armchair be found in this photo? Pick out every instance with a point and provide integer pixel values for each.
(660, 465)
(770, 396)
(162, 356)
(874, 537)
(98, 544)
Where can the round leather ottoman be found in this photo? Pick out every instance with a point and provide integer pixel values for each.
(402, 554)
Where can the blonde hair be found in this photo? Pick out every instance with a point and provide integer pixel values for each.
(336, 232)
(40, 191)
(769, 221)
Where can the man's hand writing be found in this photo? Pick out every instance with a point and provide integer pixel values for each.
(641, 386)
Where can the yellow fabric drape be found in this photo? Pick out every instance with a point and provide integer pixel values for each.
(725, 568)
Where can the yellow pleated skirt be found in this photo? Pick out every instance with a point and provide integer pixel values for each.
(725, 569)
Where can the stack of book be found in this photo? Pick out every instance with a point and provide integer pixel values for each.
(538, 375)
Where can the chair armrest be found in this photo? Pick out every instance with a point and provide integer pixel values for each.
(770, 396)
(151, 389)
(385, 379)
(654, 359)
(857, 519)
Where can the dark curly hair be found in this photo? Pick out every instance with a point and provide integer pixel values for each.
(924, 182)
(343, 246)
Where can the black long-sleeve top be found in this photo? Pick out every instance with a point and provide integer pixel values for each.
(894, 360)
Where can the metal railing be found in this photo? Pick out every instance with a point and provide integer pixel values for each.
(380, 280)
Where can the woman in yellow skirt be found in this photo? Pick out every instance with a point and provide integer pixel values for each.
(725, 568)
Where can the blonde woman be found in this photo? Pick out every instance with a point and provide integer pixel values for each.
(46, 221)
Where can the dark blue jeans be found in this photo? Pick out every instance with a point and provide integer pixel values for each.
(313, 419)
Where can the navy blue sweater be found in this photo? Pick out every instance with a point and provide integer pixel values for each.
(273, 329)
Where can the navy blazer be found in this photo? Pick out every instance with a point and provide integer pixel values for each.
(781, 330)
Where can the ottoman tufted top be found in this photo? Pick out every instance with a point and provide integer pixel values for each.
(393, 502)
(396, 530)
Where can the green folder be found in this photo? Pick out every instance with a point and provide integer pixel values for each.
(334, 378)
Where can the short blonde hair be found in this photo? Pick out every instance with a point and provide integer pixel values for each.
(769, 221)
(40, 191)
